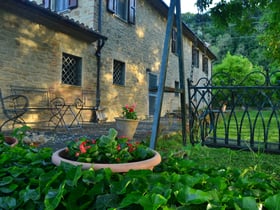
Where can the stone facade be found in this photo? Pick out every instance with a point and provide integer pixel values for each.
(31, 55)
(140, 47)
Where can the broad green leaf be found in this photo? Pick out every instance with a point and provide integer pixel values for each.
(106, 201)
(157, 201)
(273, 202)
(6, 180)
(189, 195)
(8, 189)
(53, 197)
(47, 179)
(131, 198)
(7, 202)
(30, 194)
(247, 203)
(15, 171)
(119, 187)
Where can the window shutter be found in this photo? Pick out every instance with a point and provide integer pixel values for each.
(174, 41)
(111, 6)
(72, 4)
(46, 3)
(132, 11)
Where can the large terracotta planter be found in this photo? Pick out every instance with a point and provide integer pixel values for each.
(117, 167)
(11, 141)
(126, 127)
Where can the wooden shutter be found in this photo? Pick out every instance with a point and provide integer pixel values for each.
(174, 41)
(72, 4)
(132, 11)
(46, 3)
(111, 6)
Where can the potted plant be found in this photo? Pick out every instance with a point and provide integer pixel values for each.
(127, 124)
(109, 151)
(8, 140)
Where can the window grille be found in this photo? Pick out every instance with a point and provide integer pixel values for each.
(71, 70)
(119, 73)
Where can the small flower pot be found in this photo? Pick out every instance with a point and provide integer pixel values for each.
(11, 141)
(126, 127)
(148, 164)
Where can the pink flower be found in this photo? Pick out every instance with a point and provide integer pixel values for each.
(83, 148)
(119, 147)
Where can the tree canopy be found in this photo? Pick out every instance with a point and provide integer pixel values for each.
(258, 18)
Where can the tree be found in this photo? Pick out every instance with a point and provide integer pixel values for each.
(259, 17)
(234, 70)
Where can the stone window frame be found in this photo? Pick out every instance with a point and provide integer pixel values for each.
(205, 64)
(195, 57)
(174, 43)
(119, 73)
(128, 14)
(177, 86)
(71, 73)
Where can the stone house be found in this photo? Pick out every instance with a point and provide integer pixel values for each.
(116, 46)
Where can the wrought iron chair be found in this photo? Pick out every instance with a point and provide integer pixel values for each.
(99, 115)
(13, 108)
(56, 106)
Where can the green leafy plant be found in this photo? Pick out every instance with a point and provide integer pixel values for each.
(200, 179)
(128, 112)
(107, 149)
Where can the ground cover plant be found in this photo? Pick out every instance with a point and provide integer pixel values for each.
(188, 178)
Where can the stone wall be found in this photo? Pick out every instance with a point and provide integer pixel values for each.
(140, 47)
(31, 55)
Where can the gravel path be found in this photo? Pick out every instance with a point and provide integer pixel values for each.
(58, 138)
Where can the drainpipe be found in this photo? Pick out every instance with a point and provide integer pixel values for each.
(100, 44)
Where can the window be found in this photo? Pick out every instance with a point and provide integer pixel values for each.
(195, 57)
(119, 73)
(177, 86)
(205, 65)
(60, 5)
(71, 70)
(174, 45)
(125, 9)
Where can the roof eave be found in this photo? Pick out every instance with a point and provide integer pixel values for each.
(40, 15)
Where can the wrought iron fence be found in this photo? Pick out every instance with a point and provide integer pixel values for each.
(240, 114)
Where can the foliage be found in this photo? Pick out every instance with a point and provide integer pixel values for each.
(237, 69)
(187, 181)
(128, 112)
(107, 149)
(255, 19)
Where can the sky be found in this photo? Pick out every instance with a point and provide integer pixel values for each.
(187, 5)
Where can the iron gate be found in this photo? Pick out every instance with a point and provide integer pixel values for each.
(243, 114)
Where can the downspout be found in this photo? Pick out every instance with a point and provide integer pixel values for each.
(100, 44)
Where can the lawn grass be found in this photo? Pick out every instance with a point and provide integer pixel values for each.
(258, 122)
(219, 157)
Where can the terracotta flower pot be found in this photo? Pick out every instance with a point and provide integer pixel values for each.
(126, 127)
(115, 167)
(11, 141)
